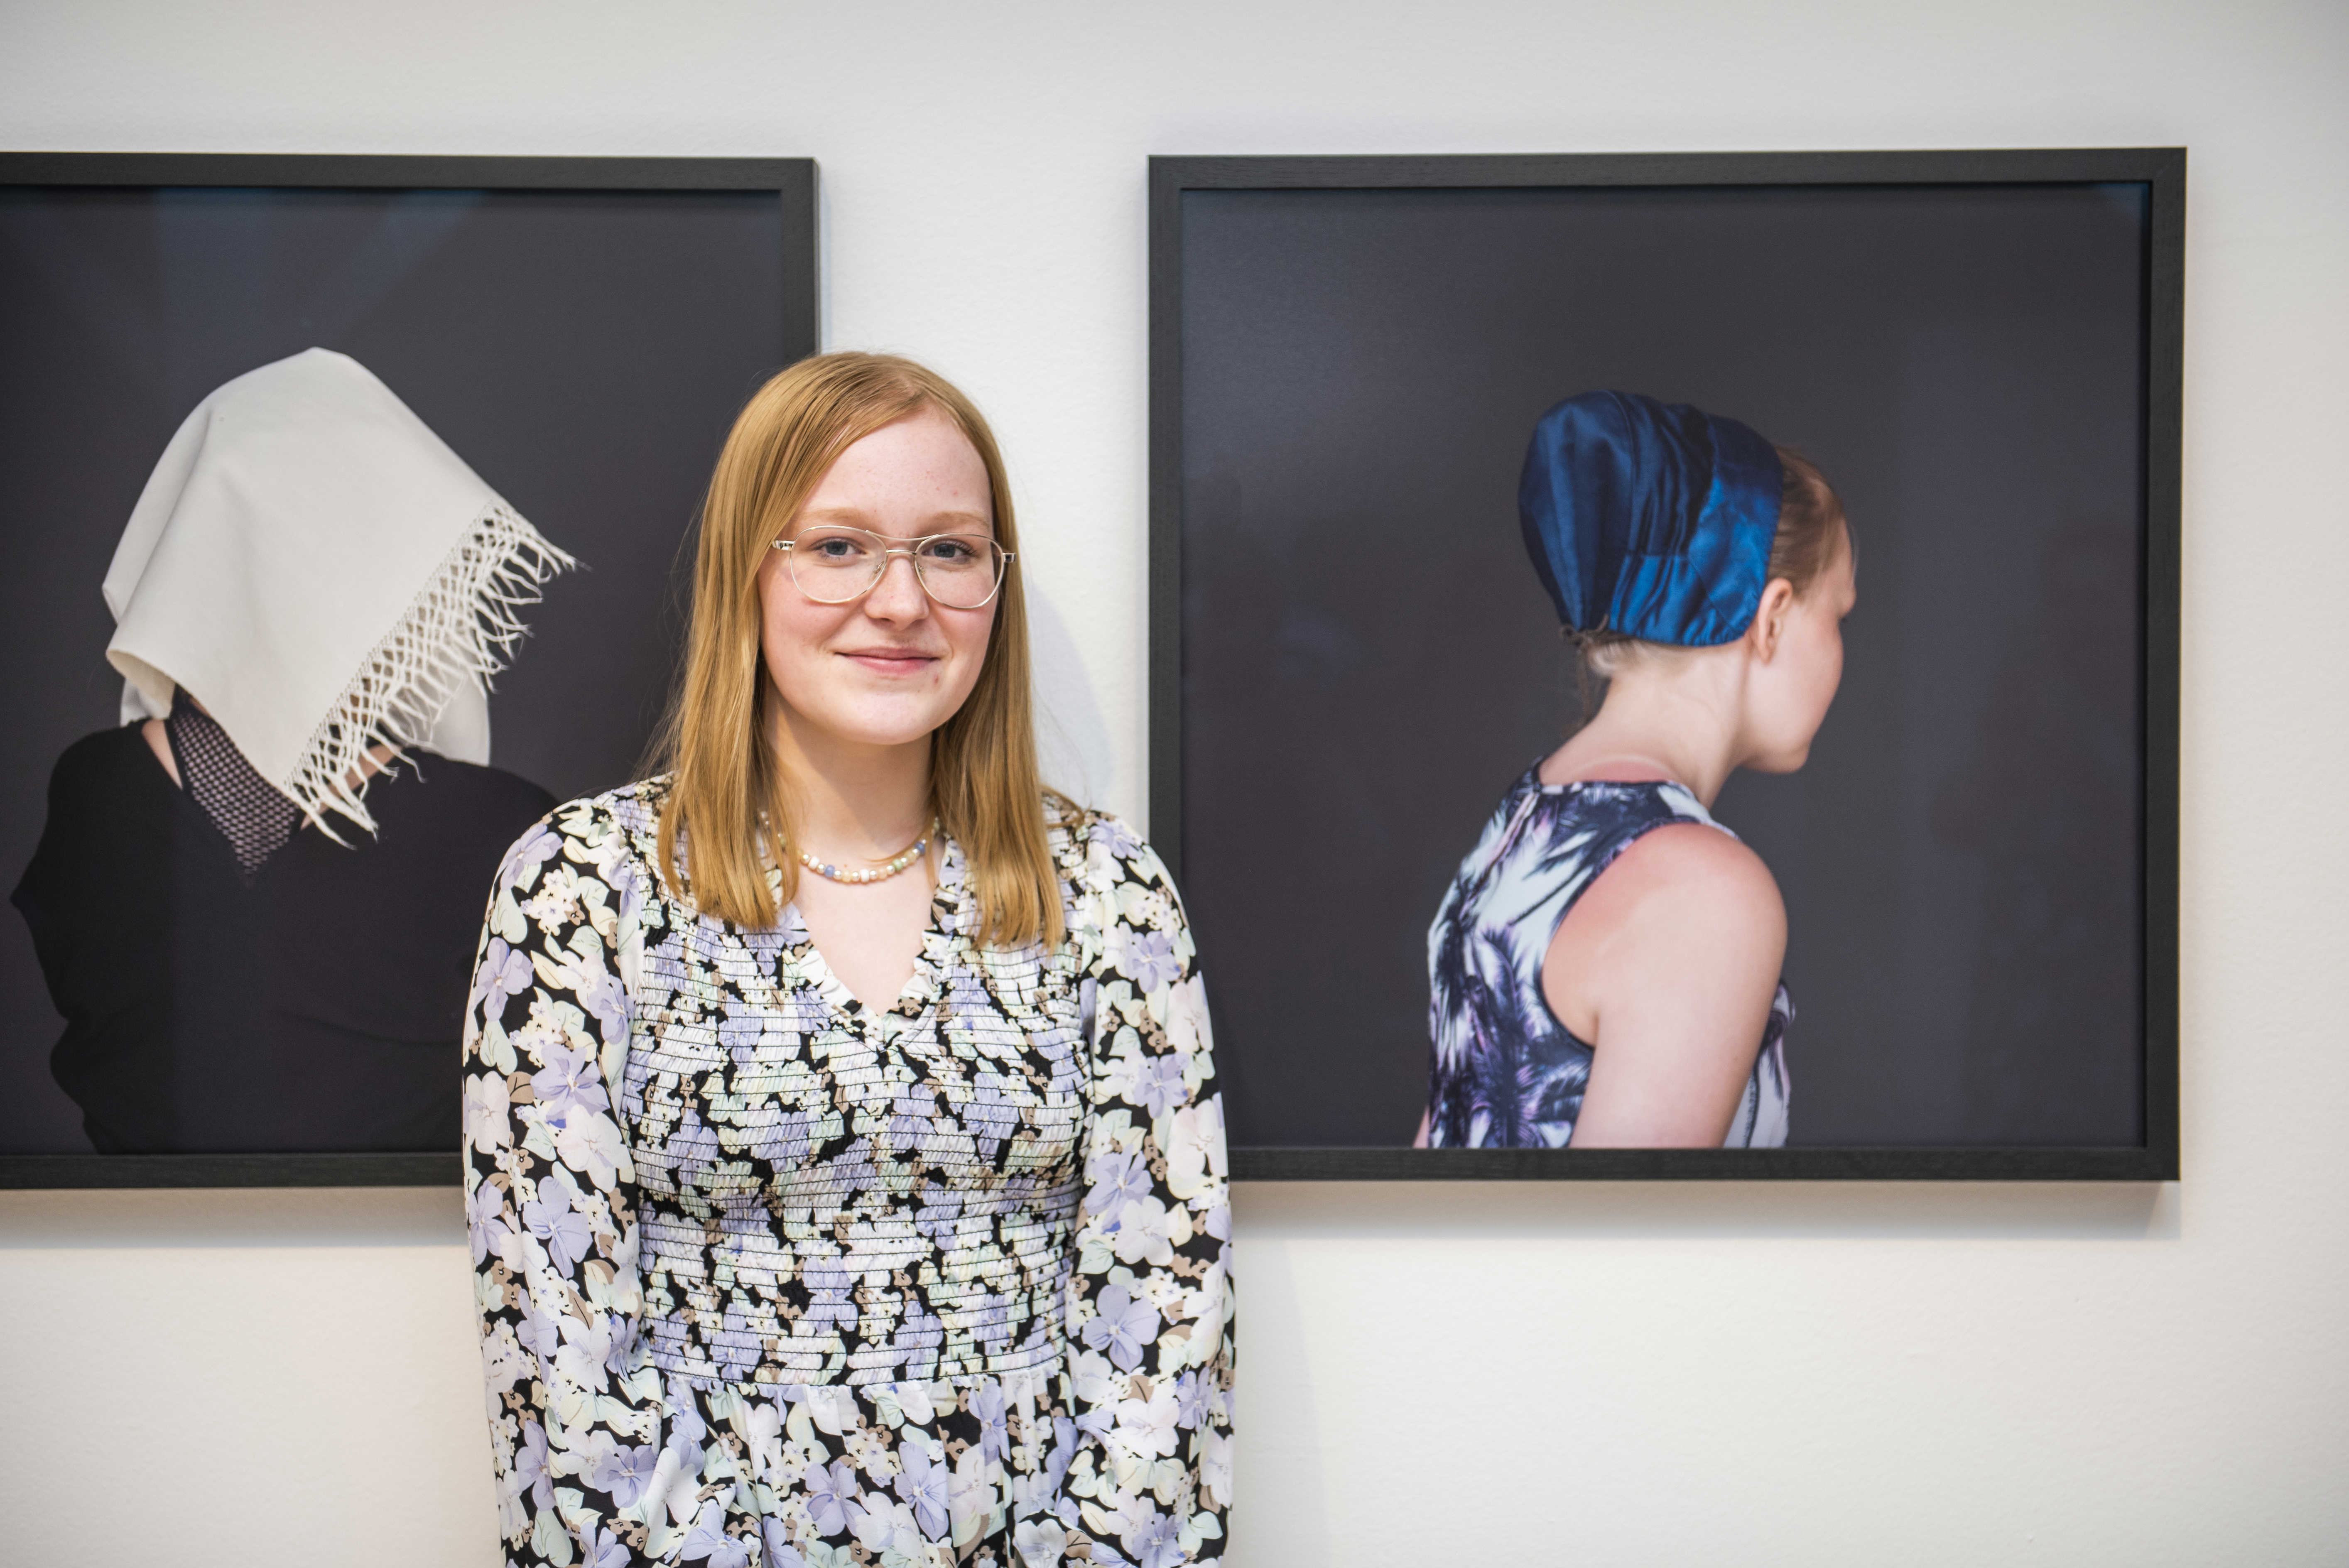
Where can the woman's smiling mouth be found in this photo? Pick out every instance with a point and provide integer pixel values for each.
(891, 661)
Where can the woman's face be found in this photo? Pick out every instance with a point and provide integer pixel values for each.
(890, 667)
(1791, 689)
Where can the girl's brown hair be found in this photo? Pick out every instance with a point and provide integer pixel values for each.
(1810, 520)
(728, 801)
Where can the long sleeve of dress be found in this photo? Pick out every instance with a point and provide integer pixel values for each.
(575, 1434)
(1150, 1320)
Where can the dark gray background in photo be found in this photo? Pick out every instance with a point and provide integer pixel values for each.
(1368, 660)
(584, 352)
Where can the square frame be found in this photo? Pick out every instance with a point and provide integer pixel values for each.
(2162, 173)
(792, 184)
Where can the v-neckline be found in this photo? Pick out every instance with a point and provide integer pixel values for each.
(928, 981)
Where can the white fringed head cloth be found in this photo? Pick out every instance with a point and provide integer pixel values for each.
(318, 570)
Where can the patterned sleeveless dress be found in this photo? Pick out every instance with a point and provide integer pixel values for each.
(1506, 1074)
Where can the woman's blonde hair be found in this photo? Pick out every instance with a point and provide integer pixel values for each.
(728, 800)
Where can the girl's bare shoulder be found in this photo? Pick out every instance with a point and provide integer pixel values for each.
(1681, 891)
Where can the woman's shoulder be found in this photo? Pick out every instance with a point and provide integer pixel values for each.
(1115, 880)
(613, 830)
(1684, 873)
(1090, 844)
(111, 755)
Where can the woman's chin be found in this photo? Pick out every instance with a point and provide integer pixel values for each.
(880, 731)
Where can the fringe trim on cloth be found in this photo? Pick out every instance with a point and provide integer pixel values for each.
(461, 626)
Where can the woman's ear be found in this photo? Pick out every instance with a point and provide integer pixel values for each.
(1770, 618)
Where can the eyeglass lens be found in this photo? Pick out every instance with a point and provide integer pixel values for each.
(832, 565)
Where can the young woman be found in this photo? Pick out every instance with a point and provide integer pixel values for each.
(1605, 967)
(846, 1166)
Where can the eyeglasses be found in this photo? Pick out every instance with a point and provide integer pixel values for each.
(834, 565)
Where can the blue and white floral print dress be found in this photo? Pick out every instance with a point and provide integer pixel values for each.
(767, 1277)
(1507, 1073)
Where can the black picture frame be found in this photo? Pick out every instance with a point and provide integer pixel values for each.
(791, 181)
(2161, 171)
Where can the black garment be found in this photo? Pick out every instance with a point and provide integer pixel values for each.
(320, 1007)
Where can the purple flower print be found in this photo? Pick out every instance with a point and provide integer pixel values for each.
(554, 1217)
(607, 1551)
(1192, 1394)
(1149, 961)
(994, 1420)
(787, 1139)
(485, 1221)
(828, 1285)
(602, 996)
(707, 1540)
(599, 1340)
(777, 1537)
(992, 1115)
(742, 1033)
(685, 1427)
(538, 1334)
(923, 1483)
(569, 1085)
(529, 1465)
(990, 1320)
(1155, 1541)
(1116, 1176)
(1158, 1086)
(738, 1349)
(535, 849)
(504, 972)
(967, 996)
(693, 1144)
(624, 1470)
(915, 1343)
(1111, 833)
(914, 1117)
(1122, 1327)
(941, 1206)
(831, 1495)
(1041, 1493)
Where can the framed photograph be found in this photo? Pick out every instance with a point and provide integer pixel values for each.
(310, 462)
(1463, 477)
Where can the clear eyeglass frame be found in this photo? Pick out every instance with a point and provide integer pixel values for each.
(886, 546)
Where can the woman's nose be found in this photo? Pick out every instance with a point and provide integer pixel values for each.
(898, 596)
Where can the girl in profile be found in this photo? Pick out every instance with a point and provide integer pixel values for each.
(1605, 967)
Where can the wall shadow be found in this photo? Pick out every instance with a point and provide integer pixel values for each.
(1673, 1211)
(233, 1217)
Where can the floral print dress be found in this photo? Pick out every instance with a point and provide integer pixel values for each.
(770, 1278)
(1504, 1072)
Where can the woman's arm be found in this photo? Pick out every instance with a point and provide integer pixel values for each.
(1670, 962)
(1150, 1307)
(576, 1439)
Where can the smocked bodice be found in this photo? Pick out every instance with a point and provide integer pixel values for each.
(832, 1194)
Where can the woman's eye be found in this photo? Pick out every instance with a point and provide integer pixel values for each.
(949, 551)
(835, 549)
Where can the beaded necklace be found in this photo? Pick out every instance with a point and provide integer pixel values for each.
(882, 873)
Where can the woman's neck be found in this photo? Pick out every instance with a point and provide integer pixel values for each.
(1675, 719)
(854, 801)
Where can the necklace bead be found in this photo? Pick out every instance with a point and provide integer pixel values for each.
(887, 869)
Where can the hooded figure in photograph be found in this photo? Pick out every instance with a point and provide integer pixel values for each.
(255, 902)
(1605, 967)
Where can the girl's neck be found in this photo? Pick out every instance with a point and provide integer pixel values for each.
(853, 800)
(1674, 724)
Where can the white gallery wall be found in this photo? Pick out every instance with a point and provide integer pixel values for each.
(1631, 1374)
